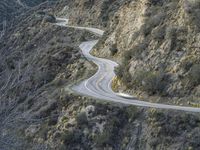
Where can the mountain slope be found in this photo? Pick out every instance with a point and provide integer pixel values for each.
(157, 48)
(8, 9)
(39, 61)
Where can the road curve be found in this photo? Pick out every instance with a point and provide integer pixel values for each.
(99, 85)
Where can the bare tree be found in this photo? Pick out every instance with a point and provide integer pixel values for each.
(4, 29)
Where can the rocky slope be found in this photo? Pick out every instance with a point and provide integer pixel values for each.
(8, 8)
(157, 48)
(37, 60)
(40, 60)
(13, 8)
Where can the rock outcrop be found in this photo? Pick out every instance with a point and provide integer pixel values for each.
(158, 48)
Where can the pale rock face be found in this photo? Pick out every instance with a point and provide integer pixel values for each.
(133, 66)
(89, 110)
(172, 39)
(130, 21)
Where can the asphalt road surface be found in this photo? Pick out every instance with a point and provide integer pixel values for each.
(99, 85)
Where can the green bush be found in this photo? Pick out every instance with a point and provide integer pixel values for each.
(113, 49)
(126, 79)
(151, 23)
(138, 78)
(193, 142)
(154, 83)
(111, 130)
(103, 138)
(67, 136)
(192, 7)
(127, 55)
(186, 65)
(194, 75)
(196, 18)
(71, 137)
(122, 72)
(159, 33)
(171, 34)
(131, 112)
(119, 71)
(151, 82)
(156, 2)
(82, 119)
(136, 51)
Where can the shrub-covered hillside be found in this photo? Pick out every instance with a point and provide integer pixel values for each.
(156, 43)
(157, 48)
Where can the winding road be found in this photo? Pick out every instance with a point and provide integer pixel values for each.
(99, 85)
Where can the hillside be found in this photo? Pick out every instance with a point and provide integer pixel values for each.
(8, 8)
(158, 51)
(157, 48)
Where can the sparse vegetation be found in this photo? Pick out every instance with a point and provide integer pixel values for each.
(194, 75)
(113, 49)
(159, 33)
(103, 139)
(151, 82)
(136, 52)
(119, 71)
(152, 21)
(82, 119)
(154, 83)
(192, 7)
(132, 112)
(71, 137)
(178, 124)
(38, 60)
